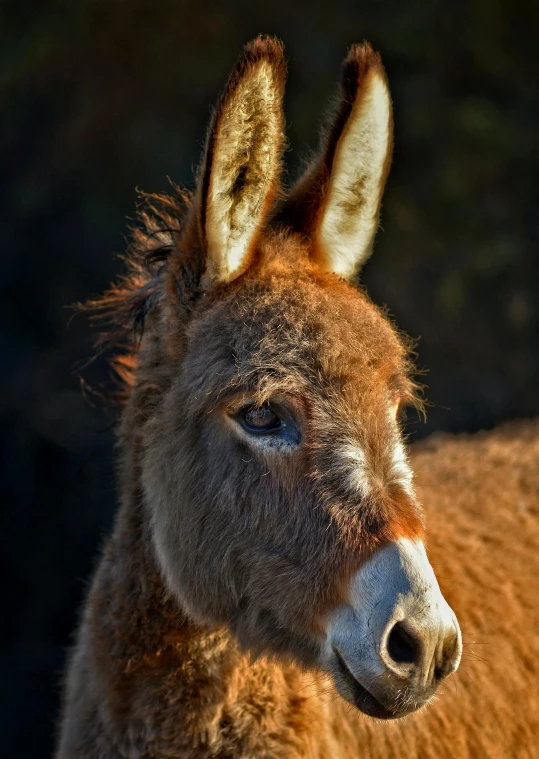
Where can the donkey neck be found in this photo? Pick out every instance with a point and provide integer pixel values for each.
(149, 652)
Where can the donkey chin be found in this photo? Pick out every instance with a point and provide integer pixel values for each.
(396, 639)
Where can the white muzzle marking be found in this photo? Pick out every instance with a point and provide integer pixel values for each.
(397, 631)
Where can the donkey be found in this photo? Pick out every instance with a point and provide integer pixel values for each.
(266, 584)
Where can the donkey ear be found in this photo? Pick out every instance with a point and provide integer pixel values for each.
(240, 173)
(337, 203)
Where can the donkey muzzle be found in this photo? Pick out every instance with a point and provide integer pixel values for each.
(396, 640)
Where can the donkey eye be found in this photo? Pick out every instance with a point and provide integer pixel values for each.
(271, 427)
(261, 419)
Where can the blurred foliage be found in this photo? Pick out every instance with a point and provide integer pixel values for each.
(99, 97)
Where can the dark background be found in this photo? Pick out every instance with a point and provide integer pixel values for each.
(100, 97)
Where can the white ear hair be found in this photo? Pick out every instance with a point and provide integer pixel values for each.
(243, 160)
(349, 217)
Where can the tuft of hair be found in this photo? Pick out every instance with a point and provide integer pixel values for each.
(121, 312)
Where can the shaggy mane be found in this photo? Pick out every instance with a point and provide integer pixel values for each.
(121, 312)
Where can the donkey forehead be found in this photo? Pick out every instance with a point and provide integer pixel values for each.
(292, 331)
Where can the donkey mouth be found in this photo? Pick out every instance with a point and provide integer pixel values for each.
(358, 695)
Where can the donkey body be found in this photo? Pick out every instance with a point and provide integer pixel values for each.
(266, 581)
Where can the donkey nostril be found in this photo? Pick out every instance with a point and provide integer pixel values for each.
(448, 660)
(439, 673)
(401, 646)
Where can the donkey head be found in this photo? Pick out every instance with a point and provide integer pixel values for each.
(279, 495)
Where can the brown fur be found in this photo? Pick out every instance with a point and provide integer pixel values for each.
(222, 553)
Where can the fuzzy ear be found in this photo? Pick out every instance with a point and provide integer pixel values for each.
(337, 202)
(240, 174)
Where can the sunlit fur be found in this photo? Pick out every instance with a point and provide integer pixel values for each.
(243, 161)
(349, 216)
(223, 552)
